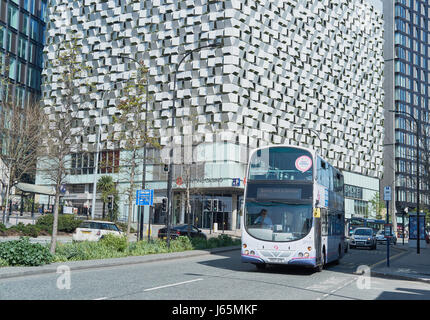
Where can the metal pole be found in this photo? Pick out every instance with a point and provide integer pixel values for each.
(387, 237)
(96, 168)
(418, 185)
(417, 133)
(403, 228)
(170, 176)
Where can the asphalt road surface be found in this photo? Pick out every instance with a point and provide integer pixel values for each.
(219, 277)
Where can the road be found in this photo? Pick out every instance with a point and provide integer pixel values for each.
(218, 277)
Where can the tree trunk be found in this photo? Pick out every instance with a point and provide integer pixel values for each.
(130, 199)
(55, 223)
(104, 206)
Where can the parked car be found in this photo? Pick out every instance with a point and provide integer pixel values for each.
(380, 237)
(181, 230)
(363, 237)
(93, 230)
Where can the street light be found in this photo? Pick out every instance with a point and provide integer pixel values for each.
(93, 205)
(123, 55)
(170, 174)
(418, 170)
(311, 130)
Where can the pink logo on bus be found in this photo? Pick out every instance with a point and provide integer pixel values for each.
(303, 163)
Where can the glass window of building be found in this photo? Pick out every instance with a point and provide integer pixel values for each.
(23, 23)
(43, 11)
(22, 47)
(34, 29)
(12, 68)
(11, 42)
(2, 30)
(13, 16)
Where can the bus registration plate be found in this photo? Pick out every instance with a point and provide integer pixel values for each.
(276, 259)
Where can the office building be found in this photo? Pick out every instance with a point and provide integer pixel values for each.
(316, 64)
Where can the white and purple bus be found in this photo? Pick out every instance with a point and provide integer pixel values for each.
(293, 209)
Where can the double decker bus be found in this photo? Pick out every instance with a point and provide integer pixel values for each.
(293, 209)
(355, 222)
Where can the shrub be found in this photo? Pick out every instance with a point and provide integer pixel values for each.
(117, 243)
(23, 253)
(181, 244)
(29, 230)
(66, 223)
(3, 263)
(86, 250)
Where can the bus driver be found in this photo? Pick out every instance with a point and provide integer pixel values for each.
(263, 219)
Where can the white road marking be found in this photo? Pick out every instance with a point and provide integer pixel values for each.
(102, 298)
(172, 285)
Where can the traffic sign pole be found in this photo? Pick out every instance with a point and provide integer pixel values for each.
(387, 198)
(387, 238)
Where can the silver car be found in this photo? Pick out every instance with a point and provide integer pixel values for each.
(363, 237)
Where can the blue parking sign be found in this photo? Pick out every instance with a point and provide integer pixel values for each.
(145, 197)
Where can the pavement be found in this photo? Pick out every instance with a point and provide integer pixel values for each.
(405, 265)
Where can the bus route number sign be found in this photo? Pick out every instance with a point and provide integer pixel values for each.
(387, 193)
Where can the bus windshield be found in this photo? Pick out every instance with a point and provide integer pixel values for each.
(281, 163)
(278, 221)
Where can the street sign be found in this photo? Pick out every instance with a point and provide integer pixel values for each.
(387, 193)
(388, 231)
(236, 182)
(145, 197)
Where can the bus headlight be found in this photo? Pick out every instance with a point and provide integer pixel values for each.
(306, 254)
(252, 252)
(300, 254)
(244, 245)
(246, 252)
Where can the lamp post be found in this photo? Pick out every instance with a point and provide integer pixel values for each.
(311, 130)
(417, 133)
(96, 164)
(170, 174)
(123, 55)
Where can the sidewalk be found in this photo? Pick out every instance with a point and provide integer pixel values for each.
(406, 265)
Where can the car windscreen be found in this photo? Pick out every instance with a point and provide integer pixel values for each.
(363, 232)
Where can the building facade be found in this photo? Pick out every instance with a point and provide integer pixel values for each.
(22, 32)
(407, 91)
(282, 65)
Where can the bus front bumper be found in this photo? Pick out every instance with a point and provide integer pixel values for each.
(308, 262)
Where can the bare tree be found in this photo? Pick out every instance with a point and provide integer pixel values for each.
(21, 135)
(62, 138)
(134, 133)
(20, 132)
